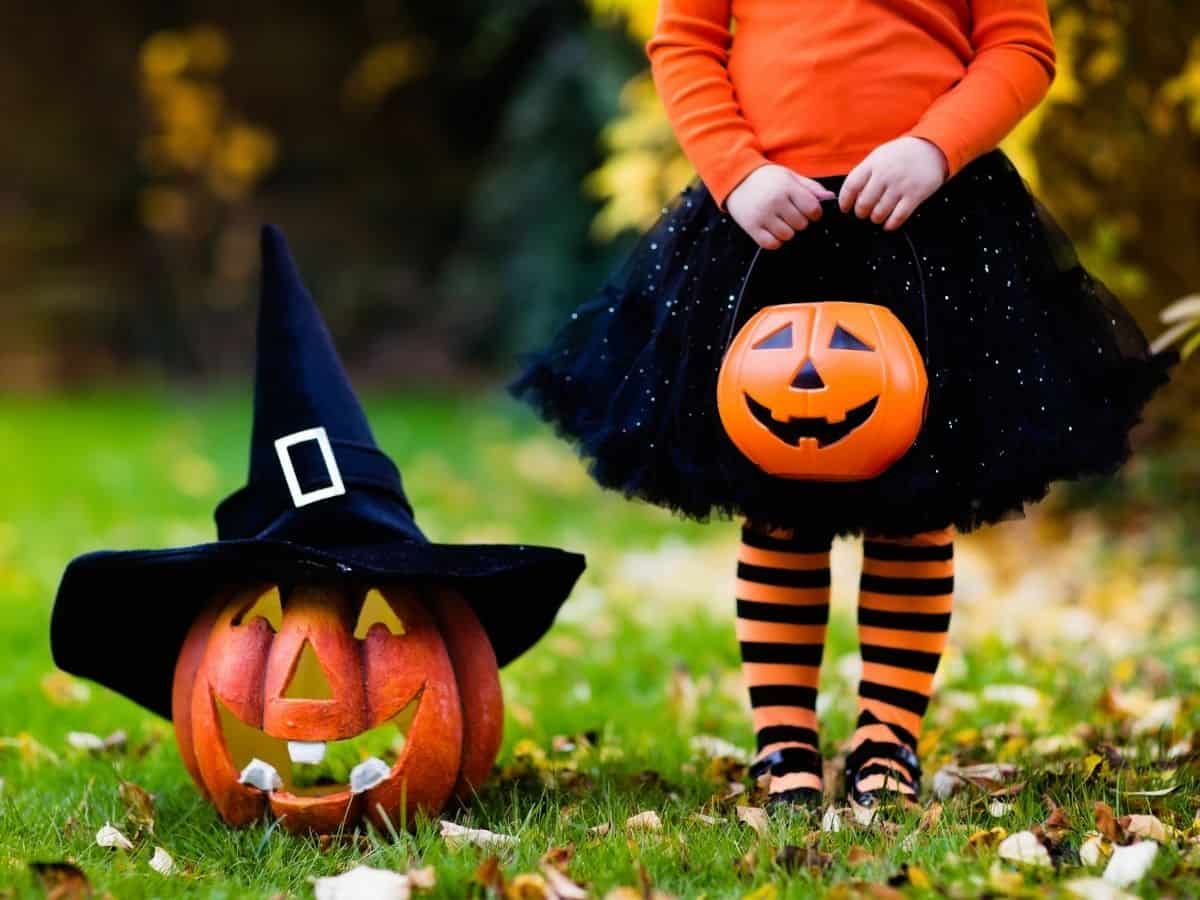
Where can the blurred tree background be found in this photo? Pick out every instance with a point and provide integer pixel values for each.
(453, 176)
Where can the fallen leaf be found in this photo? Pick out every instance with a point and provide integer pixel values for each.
(863, 815)
(755, 817)
(831, 820)
(715, 747)
(363, 883)
(139, 805)
(647, 820)
(62, 880)
(559, 857)
(858, 856)
(1107, 824)
(424, 879)
(1128, 864)
(998, 809)
(704, 819)
(1024, 847)
(108, 836)
(791, 858)
(1005, 881)
(1095, 889)
(562, 887)
(600, 830)
(489, 875)
(527, 886)
(1161, 792)
(457, 836)
(1018, 695)
(63, 690)
(990, 777)
(986, 839)
(930, 818)
(745, 865)
(1146, 826)
(1161, 714)
(1094, 850)
(161, 862)
(86, 741)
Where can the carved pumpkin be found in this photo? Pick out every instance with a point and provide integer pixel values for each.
(832, 391)
(285, 678)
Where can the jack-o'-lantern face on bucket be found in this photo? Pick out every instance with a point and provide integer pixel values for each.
(327, 703)
(831, 391)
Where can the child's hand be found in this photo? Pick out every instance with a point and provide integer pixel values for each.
(772, 203)
(893, 181)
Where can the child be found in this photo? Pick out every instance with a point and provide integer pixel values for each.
(859, 136)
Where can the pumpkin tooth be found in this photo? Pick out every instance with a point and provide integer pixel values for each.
(368, 774)
(306, 752)
(261, 775)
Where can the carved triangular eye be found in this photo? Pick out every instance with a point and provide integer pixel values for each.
(376, 610)
(268, 607)
(844, 340)
(780, 340)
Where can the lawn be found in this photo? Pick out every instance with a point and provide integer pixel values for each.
(1075, 658)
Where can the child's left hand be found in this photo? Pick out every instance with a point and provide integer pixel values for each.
(893, 181)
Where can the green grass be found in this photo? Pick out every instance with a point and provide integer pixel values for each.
(644, 658)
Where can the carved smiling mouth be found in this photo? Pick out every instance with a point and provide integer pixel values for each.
(315, 768)
(793, 431)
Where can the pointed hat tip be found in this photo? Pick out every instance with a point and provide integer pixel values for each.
(279, 270)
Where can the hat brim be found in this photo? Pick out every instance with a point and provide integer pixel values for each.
(120, 617)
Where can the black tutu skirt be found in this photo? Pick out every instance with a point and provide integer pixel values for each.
(1036, 373)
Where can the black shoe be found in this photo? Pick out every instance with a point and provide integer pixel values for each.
(908, 775)
(791, 761)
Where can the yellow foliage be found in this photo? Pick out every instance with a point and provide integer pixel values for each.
(1184, 89)
(638, 15)
(196, 143)
(382, 69)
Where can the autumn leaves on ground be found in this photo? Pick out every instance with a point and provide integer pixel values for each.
(1059, 752)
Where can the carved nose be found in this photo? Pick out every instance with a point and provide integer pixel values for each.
(808, 378)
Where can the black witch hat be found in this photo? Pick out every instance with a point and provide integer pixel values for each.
(322, 502)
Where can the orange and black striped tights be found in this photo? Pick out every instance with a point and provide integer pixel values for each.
(906, 593)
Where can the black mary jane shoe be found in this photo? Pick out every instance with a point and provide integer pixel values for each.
(791, 760)
(857, 770)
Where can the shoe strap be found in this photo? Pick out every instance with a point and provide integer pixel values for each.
(788, 760)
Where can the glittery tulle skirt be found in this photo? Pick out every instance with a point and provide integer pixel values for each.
(1036, 372)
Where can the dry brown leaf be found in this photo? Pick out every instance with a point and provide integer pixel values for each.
(648, 820)
(744, 866)
(931, 817)
(139, 805)
(993, 778)
(1145, 826)
(362, 883)
(704, 819)
(1024, 847)
(489, 875)
(1107, 824)
(62, 880)
(791, 858)
(559, 857)
(1095, 849)
(456, 835)
(562, 887)
(755, 817)
(859, 855)
(424, 879)
(161, 862)
(600, 830)
(111, 837)
(831, 820)
(63, 690)
(986, 839)
(527, 886)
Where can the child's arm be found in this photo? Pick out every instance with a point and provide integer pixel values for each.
(688, 55)
(1009, 76)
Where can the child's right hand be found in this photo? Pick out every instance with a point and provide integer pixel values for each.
(772, 203)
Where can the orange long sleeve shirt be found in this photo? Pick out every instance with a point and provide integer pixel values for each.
(816, 85)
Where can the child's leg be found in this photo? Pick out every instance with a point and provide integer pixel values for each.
(782, 610)
(906, 594)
